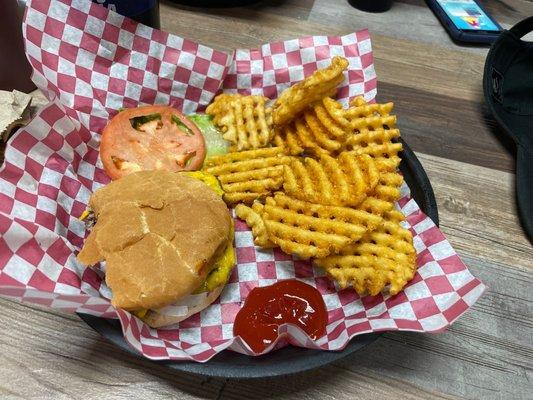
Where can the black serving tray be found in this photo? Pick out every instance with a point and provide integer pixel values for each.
(288, 360)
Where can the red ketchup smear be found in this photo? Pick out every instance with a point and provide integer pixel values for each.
(266, 308)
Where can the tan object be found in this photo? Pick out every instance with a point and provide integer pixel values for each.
(245, 121)
(374, 133)
(248, 175)
(314, 230)
(383, 257)
(252, 217)
(320, 129)
(14, 112)
(159, 233)
(298, 97)
(523, 6)
(342, 181)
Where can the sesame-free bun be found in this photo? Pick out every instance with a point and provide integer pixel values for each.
(160, 233)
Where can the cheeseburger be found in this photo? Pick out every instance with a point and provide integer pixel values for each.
(167, 241)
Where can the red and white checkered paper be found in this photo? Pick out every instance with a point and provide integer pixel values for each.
(90, 62)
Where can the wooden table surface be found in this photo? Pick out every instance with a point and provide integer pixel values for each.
(436, 87)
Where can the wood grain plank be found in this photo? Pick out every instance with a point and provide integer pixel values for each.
(67, 360)
(450, 72)
(406, 20)
(53, 355)
(445, 126)
(400, 61)
(331, 382)
(478, 212)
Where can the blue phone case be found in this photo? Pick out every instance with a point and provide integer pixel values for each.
(462, 35)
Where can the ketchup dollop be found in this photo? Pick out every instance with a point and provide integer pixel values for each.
(266, 308)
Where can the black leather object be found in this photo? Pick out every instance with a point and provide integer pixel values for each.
(508, 88)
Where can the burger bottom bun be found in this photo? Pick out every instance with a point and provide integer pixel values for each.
(167, 317)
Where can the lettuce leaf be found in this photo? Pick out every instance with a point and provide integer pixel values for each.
(214, 142)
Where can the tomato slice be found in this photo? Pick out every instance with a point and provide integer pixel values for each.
(149, 138)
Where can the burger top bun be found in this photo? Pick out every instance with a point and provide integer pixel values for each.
(159, 233)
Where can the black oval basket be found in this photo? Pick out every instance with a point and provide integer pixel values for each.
(288, 360)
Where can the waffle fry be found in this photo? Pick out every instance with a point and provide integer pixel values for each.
(320, 84)
(345, 180)
(314, 230)
(248, 175)
(245, 121)
(383, 257)
(252, 217)
(386, 192)
(337, 204)
(321, 129)
(374, 133)
(360, 110)
(388, 187)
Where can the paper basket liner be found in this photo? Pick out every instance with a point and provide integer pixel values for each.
(90, 62)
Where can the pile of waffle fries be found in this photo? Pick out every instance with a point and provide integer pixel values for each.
(318, 180)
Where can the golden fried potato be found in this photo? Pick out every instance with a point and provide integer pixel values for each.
(320, 84)
(320, 129)
(380, 200)
(345, 180)
(383, 257)
(378, 144)
(314, 230)
(248, 175)
(374, 133)
(235, 156)
(252, 217)
(245, 121)
(337, 204)
(386, 192)
(359, 108)
(388, 187)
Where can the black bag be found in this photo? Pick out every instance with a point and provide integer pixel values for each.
(508, 87)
